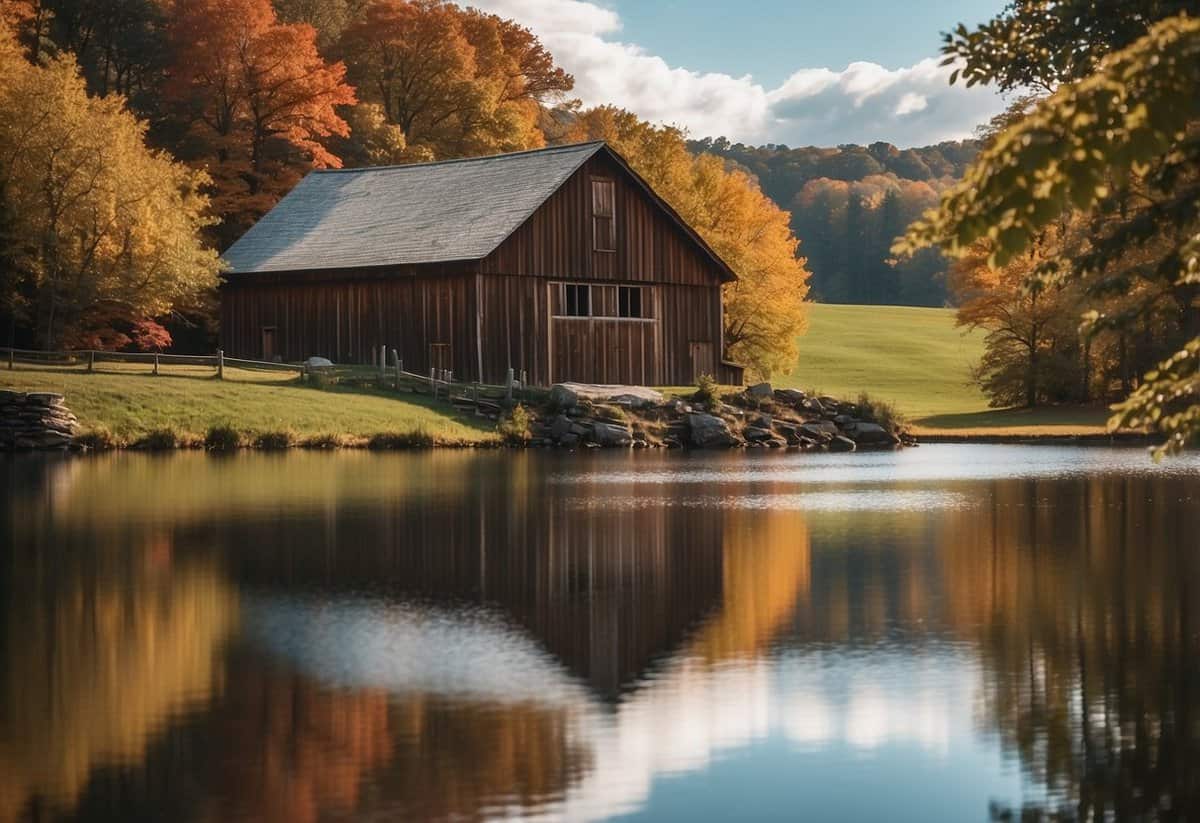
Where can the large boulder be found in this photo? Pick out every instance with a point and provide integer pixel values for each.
(318, 362)
(792, 397)
(819, 429)
(762, 390)
(560, 427)
(757, 434)
(870, 433)
(610, 435)
(710, 432)
(622, 395)
(563, 397)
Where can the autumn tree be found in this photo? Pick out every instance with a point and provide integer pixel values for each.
(1126, 128)
(99, 228)
(258, 100)
(764, 309)
(1032, 342)
(457, 82)
(328, 17)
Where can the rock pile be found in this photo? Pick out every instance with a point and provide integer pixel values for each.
(759, 417)
(35, 420)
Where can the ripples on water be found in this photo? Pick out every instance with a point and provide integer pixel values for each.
(947, 633)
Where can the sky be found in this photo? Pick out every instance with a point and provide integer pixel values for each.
(768, 71)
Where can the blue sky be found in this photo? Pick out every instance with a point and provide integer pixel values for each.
(800, 73)
(772, 38)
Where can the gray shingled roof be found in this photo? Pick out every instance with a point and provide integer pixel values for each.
(397, 215)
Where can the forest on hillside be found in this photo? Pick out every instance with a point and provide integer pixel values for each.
(849, 204)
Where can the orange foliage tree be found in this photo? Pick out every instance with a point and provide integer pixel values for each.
(458, 82)
(258, 100)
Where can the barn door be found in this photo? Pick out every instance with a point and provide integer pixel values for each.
(702, 360)
(268, 343)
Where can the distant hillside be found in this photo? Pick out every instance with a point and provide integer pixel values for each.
(848, 204)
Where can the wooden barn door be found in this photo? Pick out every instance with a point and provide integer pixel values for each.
(268, 343)
(703, 361)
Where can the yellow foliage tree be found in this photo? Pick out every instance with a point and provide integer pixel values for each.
(458, 82)
(98, 226)
(764, 309)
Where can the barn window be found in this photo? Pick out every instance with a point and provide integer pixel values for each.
(578, 300)
(629, 301)
(604, 223)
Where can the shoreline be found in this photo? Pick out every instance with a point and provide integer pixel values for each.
(1048, 438)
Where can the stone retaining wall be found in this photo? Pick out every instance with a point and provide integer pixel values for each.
(35, 420)
(758, 417)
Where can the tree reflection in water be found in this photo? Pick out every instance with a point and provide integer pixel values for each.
(331, 650)
(1078, 598)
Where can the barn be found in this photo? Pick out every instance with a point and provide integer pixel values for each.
(559, 263)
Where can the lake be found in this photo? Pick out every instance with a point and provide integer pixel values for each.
(949, 633)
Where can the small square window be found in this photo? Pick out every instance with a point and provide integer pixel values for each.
(578, 300)
(629, 301)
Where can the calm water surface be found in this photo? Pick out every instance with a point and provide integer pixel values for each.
(951, 633)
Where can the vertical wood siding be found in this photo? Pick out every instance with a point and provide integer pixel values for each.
(347, 320)
(556, 241)
(499, 313)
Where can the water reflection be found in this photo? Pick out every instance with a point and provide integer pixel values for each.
(473, 636)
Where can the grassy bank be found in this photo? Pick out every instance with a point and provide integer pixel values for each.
(132, 405)
(916, 359)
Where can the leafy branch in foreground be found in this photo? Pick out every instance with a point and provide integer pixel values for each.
(1073, 150)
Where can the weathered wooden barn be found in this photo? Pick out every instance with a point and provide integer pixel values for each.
(561, 263)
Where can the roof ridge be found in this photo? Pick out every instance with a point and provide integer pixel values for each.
(455, 160)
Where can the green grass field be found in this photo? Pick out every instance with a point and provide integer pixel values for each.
(131, 403)
(917, 359)
(913, 357)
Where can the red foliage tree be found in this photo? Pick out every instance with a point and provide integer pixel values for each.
(258, 98)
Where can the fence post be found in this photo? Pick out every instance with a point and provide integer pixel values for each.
(475, 395)
(382, 362)
(10, 359)
(433, 382)
(91, 361)
(156, 364)
(396, 366)
(220, 364)
(508, 387)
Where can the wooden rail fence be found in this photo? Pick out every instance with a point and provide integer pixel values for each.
(388, 372)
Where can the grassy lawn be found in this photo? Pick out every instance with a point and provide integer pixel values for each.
(917, 359)
(130, 402)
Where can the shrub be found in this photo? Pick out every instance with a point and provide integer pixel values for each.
(324, 440)
(97, 438)
(418, 438)
(707, 390)
(514, 428)
(615, 412)
(159, 440)
(222, 438)
(275, 440)
(882, 412)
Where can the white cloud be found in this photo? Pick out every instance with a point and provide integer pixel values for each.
(862, 103)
